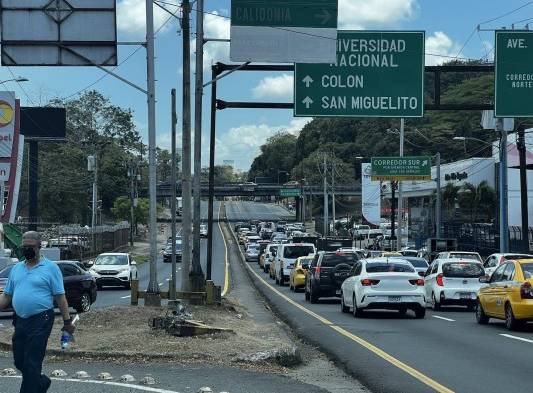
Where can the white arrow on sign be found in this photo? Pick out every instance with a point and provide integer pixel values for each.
(325, 16)
(307, 101)
(307, 80)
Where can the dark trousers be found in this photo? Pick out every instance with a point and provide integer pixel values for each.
(29, 346)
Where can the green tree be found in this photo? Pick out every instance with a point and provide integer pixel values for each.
(478, 199)
(277, 154)
(450, 194)
(122, 209)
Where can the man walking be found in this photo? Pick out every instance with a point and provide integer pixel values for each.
(32, 287)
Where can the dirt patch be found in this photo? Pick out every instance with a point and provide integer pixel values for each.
(123, 332)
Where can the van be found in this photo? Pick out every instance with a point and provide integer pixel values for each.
(286, 257)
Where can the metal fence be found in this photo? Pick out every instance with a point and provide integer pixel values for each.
(78, 243)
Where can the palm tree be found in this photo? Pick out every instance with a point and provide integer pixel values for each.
(450, 195)
(475, 199)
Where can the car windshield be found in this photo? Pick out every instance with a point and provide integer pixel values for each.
(332, 260)
(459, 255)
(527, 269)
(111, 260)
(293, 252)
(4, 273)
(253, 246)
(391, 267)
(462, 270)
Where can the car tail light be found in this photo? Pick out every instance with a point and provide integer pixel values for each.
(440, 283)
(367, 282)
(418, 282)
(526, 291)
(317, 271)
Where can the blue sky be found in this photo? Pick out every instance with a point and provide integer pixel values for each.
(448, 25)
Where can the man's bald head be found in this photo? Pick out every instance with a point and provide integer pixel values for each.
(31, 238)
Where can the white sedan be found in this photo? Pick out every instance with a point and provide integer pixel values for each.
(383, 283)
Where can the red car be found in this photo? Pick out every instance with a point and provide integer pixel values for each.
(80, 286)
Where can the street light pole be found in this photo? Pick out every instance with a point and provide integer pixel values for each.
(400, 190)
(504, 220)
(438, 207)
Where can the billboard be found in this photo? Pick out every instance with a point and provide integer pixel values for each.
(58, 32)
(11, 153)
(371, 196)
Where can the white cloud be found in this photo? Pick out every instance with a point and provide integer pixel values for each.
(440, 44)
(275, 87)
(361, 14)
(216, 27)
(131, 17)
(242, 143)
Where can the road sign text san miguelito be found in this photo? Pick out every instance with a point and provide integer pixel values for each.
(514, 74)
(378, 74)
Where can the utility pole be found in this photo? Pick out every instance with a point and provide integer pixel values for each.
(504, 220)
(197, 276)
(326, 208)
(521, 144)
(333, 194)
(132, 174)
(438, 207)
(173, 195)
(400, 190)
(186, 146)
(153, 297)
(93, 166)
(392, 214)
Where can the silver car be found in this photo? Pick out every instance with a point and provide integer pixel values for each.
(252, 252)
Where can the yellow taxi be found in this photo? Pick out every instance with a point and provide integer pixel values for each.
(298, 273)
(508, 294)
(391, 254)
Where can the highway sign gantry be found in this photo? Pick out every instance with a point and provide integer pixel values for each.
(376, 74)
(513, 82)
(289, 192)
(401, 168)
(283, 31)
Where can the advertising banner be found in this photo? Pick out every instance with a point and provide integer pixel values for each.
(371, 196)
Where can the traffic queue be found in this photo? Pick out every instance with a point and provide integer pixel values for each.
(499, 287)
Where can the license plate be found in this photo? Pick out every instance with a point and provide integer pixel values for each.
(395, 299)
(338, 292)
(464, 295)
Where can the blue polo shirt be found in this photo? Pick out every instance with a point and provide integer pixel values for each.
(33, 289)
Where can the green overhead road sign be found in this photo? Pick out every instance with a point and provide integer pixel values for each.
(401, 168)
(303, 31)
(513, 82)
(376, 74)
(289, 192)
(283, 13)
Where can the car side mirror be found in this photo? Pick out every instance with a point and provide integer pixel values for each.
(133, 263)
(305, 266)
(484, 279)
(88, 264)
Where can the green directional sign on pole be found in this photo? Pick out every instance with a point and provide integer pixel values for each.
(376, 74)
(401, 168)
(289, 192)
(513, 74)
(283, 30)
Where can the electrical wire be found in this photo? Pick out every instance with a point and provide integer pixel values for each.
(507, 13)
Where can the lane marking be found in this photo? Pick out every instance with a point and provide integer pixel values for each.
(372, 348)
(517, 338)
(443, 318)
(126, 297)
(226, 261)
(96, 382)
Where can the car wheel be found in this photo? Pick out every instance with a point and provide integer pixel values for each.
(434, 304)
(357, 312)
(344, 308)
(281, 280)
(128, 284)
(402, 311)
(481, 317)
(307, 296)
(510, 321)
(99, 286)
(313, 296)
(420, 312)
(471, 307)
(85, 303)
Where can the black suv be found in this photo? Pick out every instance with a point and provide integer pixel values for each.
(327, 273)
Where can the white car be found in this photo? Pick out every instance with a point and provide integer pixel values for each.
(252, 252)
(495, 260)
(383, 283)
(453, 282)
(114, 269)
(286, 256)
(460, 255)
(270, 253)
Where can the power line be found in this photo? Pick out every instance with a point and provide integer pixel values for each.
(507, 13)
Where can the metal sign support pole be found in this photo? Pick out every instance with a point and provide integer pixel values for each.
(211, 173)
(438, 207)
(523, 188)
(400, 189)
(504, 221)
(153, 298)
(172, 296)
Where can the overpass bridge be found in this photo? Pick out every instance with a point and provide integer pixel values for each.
(164, 190)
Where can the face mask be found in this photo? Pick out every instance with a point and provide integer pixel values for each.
(28, 252)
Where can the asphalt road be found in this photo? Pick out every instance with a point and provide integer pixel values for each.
(169, 379)
(116, 296)
(446, 352)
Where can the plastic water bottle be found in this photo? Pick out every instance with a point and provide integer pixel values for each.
(65, 340)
